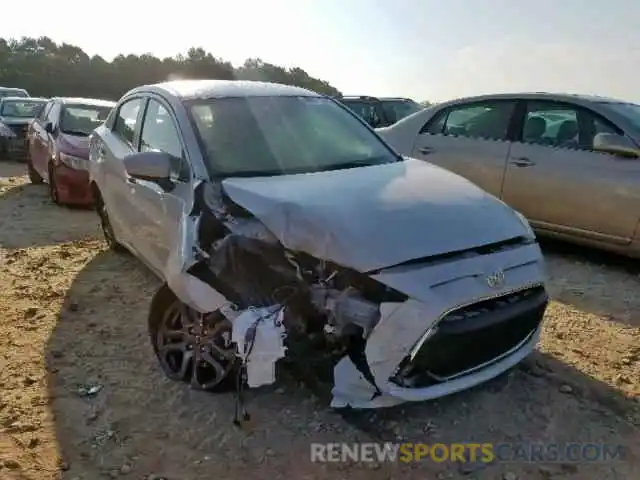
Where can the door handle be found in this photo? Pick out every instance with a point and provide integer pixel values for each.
(522, 162)
(426, 150)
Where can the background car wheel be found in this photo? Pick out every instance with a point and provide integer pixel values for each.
(34, 177)
(53, 188)
(192, 349)
(107, 228)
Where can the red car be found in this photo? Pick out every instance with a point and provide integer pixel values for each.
(58, 142)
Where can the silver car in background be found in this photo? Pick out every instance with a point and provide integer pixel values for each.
(569, 163)
(282, 224)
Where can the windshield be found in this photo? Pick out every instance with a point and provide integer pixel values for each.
(254, 136)
(630, 111)
(82, 119)
(6, 92)
(21, 109)
(398, 109)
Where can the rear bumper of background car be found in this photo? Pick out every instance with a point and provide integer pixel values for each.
(73, 186)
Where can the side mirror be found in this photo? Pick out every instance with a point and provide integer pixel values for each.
(615, 144)
(48, 127)
(151, 166)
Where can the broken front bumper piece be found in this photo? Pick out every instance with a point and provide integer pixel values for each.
(259, 335)
(461, 353)
(453, 333)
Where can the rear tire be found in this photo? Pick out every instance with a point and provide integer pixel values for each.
(53, 188)
(34, 177)
(105, 223)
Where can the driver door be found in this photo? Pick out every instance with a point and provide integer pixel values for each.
(160, 211)
(39, 140)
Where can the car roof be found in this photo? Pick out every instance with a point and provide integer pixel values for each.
(190, 89)
(25, 99)
(85, 101)
(569, 97)
(15, 89)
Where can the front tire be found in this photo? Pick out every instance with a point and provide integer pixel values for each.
(191, 348)
(53, 187)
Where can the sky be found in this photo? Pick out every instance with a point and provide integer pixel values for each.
(423, 49)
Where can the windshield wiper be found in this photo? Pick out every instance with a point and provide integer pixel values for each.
(75, 132)
(368, 162)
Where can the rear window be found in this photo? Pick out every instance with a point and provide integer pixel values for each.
(6, 92)
(21, 109)
(368, 111)
(398, 109)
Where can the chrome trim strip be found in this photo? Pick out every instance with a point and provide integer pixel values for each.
(428, 333)
(487, 363)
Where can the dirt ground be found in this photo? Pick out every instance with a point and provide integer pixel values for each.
(74, 319)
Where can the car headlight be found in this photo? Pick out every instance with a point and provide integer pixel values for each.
(76, 163)
(526, 225)
(6, 131)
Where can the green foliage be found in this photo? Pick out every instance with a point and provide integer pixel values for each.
(47, 69)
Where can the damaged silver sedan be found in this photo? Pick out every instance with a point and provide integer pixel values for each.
(283, 227)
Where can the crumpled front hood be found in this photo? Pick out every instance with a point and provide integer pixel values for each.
(373, 217)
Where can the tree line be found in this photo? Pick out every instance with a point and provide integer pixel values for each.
(46, 69)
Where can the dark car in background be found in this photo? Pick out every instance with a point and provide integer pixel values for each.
(13, 92)
(59, 147)
(381, 111)
(15, 115)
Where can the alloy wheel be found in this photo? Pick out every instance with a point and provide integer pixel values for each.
(194, 348)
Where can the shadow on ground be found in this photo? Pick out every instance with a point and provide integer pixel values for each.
(140, 422)
(136, 422)
(28, 218)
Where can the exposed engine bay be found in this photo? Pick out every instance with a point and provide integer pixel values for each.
(283, 303)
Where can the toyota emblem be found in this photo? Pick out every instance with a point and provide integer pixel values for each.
(495, 279)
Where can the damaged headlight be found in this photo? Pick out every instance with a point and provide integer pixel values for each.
(76, 163)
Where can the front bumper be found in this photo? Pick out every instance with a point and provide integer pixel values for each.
(14, 148)
(73, 185)
(447, 337)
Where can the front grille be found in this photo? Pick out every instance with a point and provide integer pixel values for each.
(473, 336)
(19, 130)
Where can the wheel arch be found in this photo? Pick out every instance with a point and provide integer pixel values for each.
(162, 299)
(95, 193)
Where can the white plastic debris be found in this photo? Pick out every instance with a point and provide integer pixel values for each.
(259, 335)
